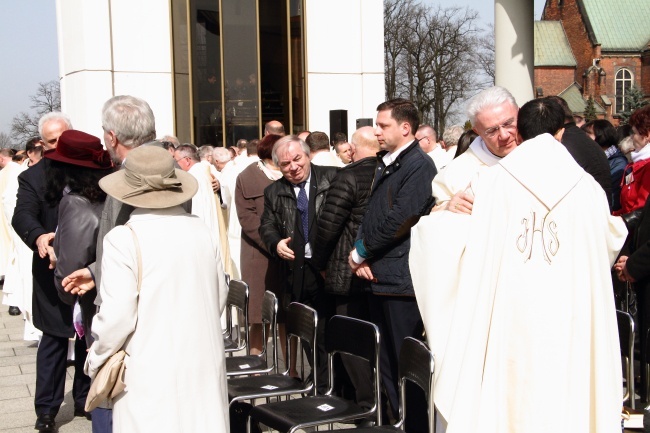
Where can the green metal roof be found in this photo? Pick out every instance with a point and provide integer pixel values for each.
(577, 103)
(618, 25)
(551, 45)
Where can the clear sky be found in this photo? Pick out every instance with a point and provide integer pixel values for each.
(28, 48)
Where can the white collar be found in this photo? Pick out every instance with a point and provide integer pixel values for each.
(481, 151)
(390, 157)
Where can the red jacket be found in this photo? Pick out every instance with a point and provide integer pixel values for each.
(635, 186)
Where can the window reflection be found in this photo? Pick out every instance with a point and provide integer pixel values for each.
(246, 61)
(207, 76)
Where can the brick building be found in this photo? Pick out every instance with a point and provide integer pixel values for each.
(598, 48)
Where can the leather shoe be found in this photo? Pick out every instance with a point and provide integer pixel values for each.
(45, 423)
(79, 411)
(14, 311)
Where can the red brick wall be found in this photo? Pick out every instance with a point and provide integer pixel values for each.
(611, 64)
(553, 80)
(576, 32)
(644, 83)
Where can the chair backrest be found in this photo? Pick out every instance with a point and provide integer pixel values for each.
(416, 365)
(270, 319)
(238, 295)
(301, 322)
(352, 336)
(357, 338)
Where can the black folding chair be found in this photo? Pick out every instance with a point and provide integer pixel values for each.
(343, 335)
(301, 322)
(236, 307)
(259, 364)
(416, 365)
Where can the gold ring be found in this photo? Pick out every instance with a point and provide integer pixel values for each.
(456, 207)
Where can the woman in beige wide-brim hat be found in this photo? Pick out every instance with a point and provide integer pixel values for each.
(175, 369)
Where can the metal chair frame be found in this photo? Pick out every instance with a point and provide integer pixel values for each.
(340, 338)
(243, 363)
(301, 323)
(626, 329)
(238, 295)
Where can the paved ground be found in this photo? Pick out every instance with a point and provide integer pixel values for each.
(18, 379)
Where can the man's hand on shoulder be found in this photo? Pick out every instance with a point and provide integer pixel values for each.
(79, 282)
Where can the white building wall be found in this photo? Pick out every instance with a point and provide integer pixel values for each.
(345, 59)
(115, 47)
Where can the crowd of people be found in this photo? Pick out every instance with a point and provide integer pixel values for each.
(497, 245)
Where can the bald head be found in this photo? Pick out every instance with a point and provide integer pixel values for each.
(365, 143)
(428, 138)
(274, 127)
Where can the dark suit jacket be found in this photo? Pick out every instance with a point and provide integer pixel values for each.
(32, 218)
(588, 154)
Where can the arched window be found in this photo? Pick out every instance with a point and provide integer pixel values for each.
(623, 85)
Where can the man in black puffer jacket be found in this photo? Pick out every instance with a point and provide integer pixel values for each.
(401, 193)
(343, 212)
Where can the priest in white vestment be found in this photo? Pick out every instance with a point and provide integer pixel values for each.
(18, 278)
(533, 344)
(203, 202)
(440, 237)
(229, 175)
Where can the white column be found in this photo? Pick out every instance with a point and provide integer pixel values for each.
(514, 47)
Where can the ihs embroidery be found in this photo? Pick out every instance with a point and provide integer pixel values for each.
(547, 231)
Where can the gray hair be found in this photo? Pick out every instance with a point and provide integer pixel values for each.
(221, 154)
(131, 120)
(205, 151)
(53, 116)
(490, 97)
(285, 141)
(189, 150)
(452, 134)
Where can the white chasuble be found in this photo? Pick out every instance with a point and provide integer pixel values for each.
(533, 341)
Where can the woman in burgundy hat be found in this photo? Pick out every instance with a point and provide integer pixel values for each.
(77, 164)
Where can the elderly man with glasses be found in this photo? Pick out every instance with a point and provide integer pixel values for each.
(493, 113)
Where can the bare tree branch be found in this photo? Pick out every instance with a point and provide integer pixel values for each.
(5, 141)
(432, 57)
(46, 99)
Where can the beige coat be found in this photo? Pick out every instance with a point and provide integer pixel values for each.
(175, 372)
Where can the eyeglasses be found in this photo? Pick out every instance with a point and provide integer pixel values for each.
(181, 158)
(508, 125)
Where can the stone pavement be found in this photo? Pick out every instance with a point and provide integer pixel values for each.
(18, 379)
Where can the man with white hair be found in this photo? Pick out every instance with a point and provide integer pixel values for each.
(434, 269)
(493, 113)
(128, 122)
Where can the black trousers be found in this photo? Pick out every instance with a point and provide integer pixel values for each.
(357, 370)
(313, 295)
(397, 317)
(51, 362)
